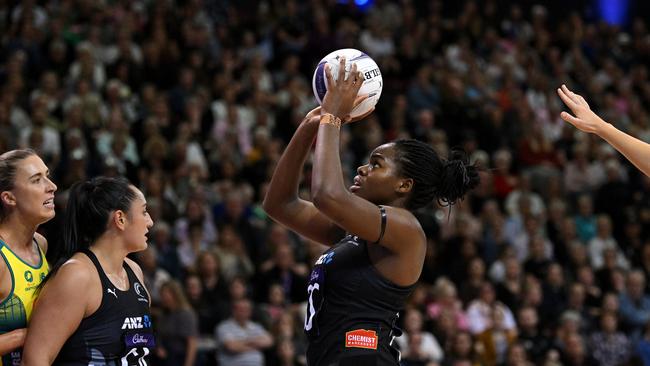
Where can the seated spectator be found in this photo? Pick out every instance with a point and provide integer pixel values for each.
(288, 327)
(215, 288)
(165, 244)
(642, 346)
(471, 287)
(480, 312)
(460, 351)
(517, 356)
(585, 276)
(198, 214)
(554, 289)
(575, 352)
(510, 290)
(603, 241)
(154, 276)
(274, 306)
(585, 219)
(282, 269)
(539, 257)
(634, 303)
(177, 328)
(446, 300)
(504, 180)
(208, 313)
(232, 255)
(286, 353)
(417, 345)
(189, 249)
(535, 344)
(240, 340)
(608, 345)
(494, 342)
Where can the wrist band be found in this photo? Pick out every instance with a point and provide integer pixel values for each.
(330, 119)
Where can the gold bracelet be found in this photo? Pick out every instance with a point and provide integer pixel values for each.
(330, 119)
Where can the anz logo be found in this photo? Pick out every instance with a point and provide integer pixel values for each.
(137, 322)
(325, 258)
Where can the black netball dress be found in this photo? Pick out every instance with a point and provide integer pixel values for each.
(352, 309)
(119, 333)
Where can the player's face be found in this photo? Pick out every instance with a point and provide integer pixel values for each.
(377, 181)
(139, 223)
(33, 193)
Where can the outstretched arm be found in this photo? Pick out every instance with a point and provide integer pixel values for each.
(282, 202)
(635, 150)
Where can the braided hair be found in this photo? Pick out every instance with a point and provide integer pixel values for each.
(434, 178)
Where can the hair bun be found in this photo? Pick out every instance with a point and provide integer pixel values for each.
(458, 177)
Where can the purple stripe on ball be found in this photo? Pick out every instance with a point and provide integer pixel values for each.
(361, 56)
(320, 85)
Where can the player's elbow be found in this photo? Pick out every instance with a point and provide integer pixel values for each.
(326, 200)
(36, 359)
(268, 206)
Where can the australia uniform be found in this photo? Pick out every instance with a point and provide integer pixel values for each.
(352, 309)
(119, 333)
(16, 309)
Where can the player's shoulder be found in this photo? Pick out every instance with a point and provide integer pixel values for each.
(135, 267)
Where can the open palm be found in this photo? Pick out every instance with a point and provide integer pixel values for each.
(584, 118)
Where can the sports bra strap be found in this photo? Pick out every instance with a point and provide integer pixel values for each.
(382, 210)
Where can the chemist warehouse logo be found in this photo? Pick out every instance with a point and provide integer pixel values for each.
(137, 322)
(361, 338)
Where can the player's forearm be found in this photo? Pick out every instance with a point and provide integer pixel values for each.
(12, 340)
(635, 150)
(284, 184)
(327, 180)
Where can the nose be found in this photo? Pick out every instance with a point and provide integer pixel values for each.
(51, 187)
(362, 170)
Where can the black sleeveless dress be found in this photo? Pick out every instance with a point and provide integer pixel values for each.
(352, 309)
(119, 333)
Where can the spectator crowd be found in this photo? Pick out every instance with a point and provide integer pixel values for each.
(546, 263)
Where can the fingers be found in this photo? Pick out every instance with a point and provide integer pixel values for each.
(328, 77)
(353, 73)
(570, 94)
(358, 82)
(569, 118)
(341, 76)
(566, 98)
(360, 99)
(314, 112)
(359, 118)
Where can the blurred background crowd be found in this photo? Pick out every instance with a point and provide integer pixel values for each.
(546, 263)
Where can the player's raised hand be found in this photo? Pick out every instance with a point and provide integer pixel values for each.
(342, 93)
(583, 117)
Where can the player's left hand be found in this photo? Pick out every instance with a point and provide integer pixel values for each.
(341, 96)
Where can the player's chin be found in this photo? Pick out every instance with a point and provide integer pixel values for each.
(356, 190)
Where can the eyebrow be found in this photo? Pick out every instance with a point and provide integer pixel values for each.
(47, 172)
(377, 156)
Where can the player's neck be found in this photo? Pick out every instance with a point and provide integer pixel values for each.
(110, 253)
(16, 233)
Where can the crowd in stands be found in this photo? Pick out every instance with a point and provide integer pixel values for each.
(546, 263)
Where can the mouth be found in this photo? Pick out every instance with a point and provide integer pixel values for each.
(49, 203)
(356, 185)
